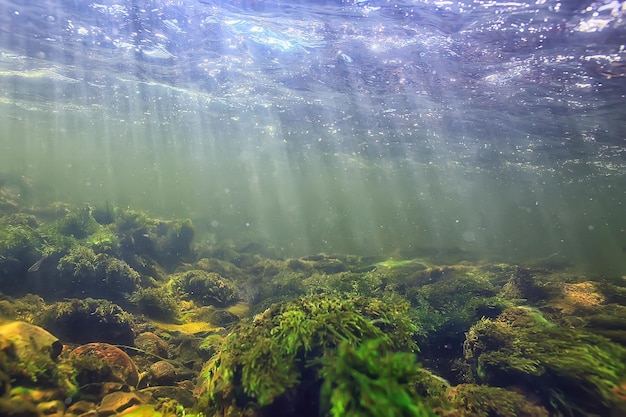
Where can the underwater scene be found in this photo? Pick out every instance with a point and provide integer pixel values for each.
(312, 208)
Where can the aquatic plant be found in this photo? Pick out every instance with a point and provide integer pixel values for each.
(273, 362)
(83, 272)
(206, 288)
(576, 373)
(174, 240)
(367, 284)
(484, 400)
(211, 344)
(19, 249)
(78, 223)
(88, 320)
(103, 240)
(447, 303)
(157, 303)
(368, 380)
(167, 241)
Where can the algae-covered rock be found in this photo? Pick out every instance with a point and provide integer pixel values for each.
(169, 241)
(205, 288)
(447, 302)
(152, 344)
(272, 365)
(482, 400)
(156, 303)
(29, 353)
(78, 223)
(85, 273)
(7, 310)
(100, 362)
(88, 320)
(19, 250)
(368, 284)
(532, 285)
(573, 371)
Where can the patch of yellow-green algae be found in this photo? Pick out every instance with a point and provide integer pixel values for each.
(392, 263)
(240, 309)
(193, 327)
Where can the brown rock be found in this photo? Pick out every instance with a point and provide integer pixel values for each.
(116, 402)
(94, 392)
(181, 395)
(81, 407)
(98, 362)
(31, 352)
(29, 339)
(52, 408)
(152, 344)
(163, 373)
(12, 408)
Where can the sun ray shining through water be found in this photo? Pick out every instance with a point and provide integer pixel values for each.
(401, 133)
(313, 208)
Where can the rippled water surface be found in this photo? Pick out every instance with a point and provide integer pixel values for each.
(474, 129)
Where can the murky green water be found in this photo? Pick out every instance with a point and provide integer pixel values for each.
(309, 186)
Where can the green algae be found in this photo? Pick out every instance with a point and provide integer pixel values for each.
(368, 380)
(276, 357)
(576, 372)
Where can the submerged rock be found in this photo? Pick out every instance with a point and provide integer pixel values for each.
(156, 303)
(152, 344)
(163, 373)
(117, 402)
(181, 395)
(88, 320)
(29, 353)
(492, 401)
(575, 372)
(83, 272)
(13, 408)
(205, 288)
(273, 366)
(98, 362)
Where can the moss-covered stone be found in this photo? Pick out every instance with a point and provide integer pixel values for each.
(575, 372)
(157, 303)
(367, 284)
(271, 366)
(85, 273)
(447, 302)
(88, 320)
(78, 223)
(20, 248)
(28, 354)
(205, 288)
(482, 400)
(167, 241)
